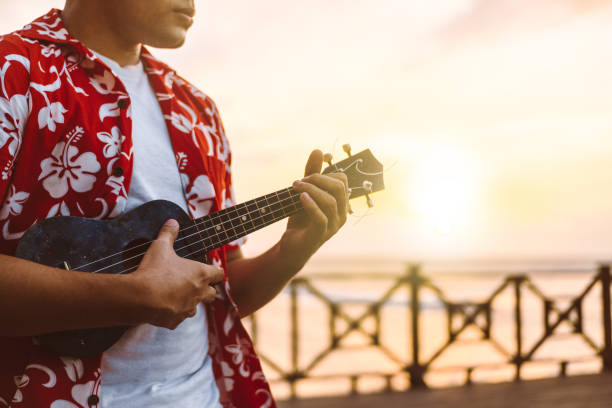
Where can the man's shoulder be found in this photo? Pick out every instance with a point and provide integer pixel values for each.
(194, 91)
(14, 43)
(17, 57)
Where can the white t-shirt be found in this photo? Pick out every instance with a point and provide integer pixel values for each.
(152, 366)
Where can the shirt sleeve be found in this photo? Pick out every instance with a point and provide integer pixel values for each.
(15, 104)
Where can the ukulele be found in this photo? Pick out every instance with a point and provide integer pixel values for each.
(118, 245)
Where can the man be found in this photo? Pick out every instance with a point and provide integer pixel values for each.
(92, 125)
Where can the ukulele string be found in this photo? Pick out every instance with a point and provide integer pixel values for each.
(247, 231)
(195, 225)
(133, 268)
(199, 232)
(208, 230)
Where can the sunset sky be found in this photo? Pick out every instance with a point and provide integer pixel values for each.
(493, 117)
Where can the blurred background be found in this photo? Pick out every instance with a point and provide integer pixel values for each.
(491, 117)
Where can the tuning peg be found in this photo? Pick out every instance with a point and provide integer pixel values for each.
(327, 157)
(369, 201)
(347, 149)
(367, 187)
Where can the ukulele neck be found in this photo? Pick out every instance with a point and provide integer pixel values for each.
(230, 224)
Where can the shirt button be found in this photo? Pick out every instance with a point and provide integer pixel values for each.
(117, 171)
(122, 103)
(93, 399)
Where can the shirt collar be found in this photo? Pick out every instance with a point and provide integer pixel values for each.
(50, 28)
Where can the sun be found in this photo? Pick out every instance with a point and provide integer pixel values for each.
(444, 190)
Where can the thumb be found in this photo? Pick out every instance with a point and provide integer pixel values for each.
(314, 163)
(169, 231)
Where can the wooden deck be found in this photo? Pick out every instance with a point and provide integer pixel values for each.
(588, 391)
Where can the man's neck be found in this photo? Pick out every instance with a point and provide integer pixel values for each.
(90, 26)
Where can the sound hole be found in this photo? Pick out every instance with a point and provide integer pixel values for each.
(132, 254)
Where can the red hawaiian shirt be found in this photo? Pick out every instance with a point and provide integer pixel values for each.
(66, 149)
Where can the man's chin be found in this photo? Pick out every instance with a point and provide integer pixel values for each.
(171, 40)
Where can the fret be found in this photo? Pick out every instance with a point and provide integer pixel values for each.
(245, 215)
(297, 204)
(282, 198)
(204, 227)
(286, 198)
(227, 225)
(279, 216)
(221, 225)
(230, 224)
(238, 219)
(276, 205)
(264, 209)
(254, 214)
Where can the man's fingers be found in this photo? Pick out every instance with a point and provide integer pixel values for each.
(169, 231)
(323, 187)
(335, 184)
(209, 294)
(314, 163)
(326, 202)
(315, 213)
(216, 275)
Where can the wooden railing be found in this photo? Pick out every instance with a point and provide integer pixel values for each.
(477, 314)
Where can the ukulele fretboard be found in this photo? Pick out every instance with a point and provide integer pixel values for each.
(235, 222)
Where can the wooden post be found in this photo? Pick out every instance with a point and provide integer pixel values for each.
(518, 321)
(606, 353)
(416, 371)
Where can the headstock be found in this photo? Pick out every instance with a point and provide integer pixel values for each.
(363, 171)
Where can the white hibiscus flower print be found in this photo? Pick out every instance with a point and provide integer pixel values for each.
(112, 141)
(180, 122)
(66, 170)
(80, 394)
(228, 373)
(104, 83)
(50, 115)
(201, 196)
(13, 117)
(51, 30)
(13, 203)
(108, 110)
(74, 368)
(189, 125)
(239, 352)
(269, 401)
(49, 50)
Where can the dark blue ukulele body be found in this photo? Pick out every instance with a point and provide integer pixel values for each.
(102, 246)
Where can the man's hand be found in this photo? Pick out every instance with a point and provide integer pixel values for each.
(325, 201)
(255, 281)
(173, 285)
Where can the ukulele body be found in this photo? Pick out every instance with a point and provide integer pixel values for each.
(102, 246)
